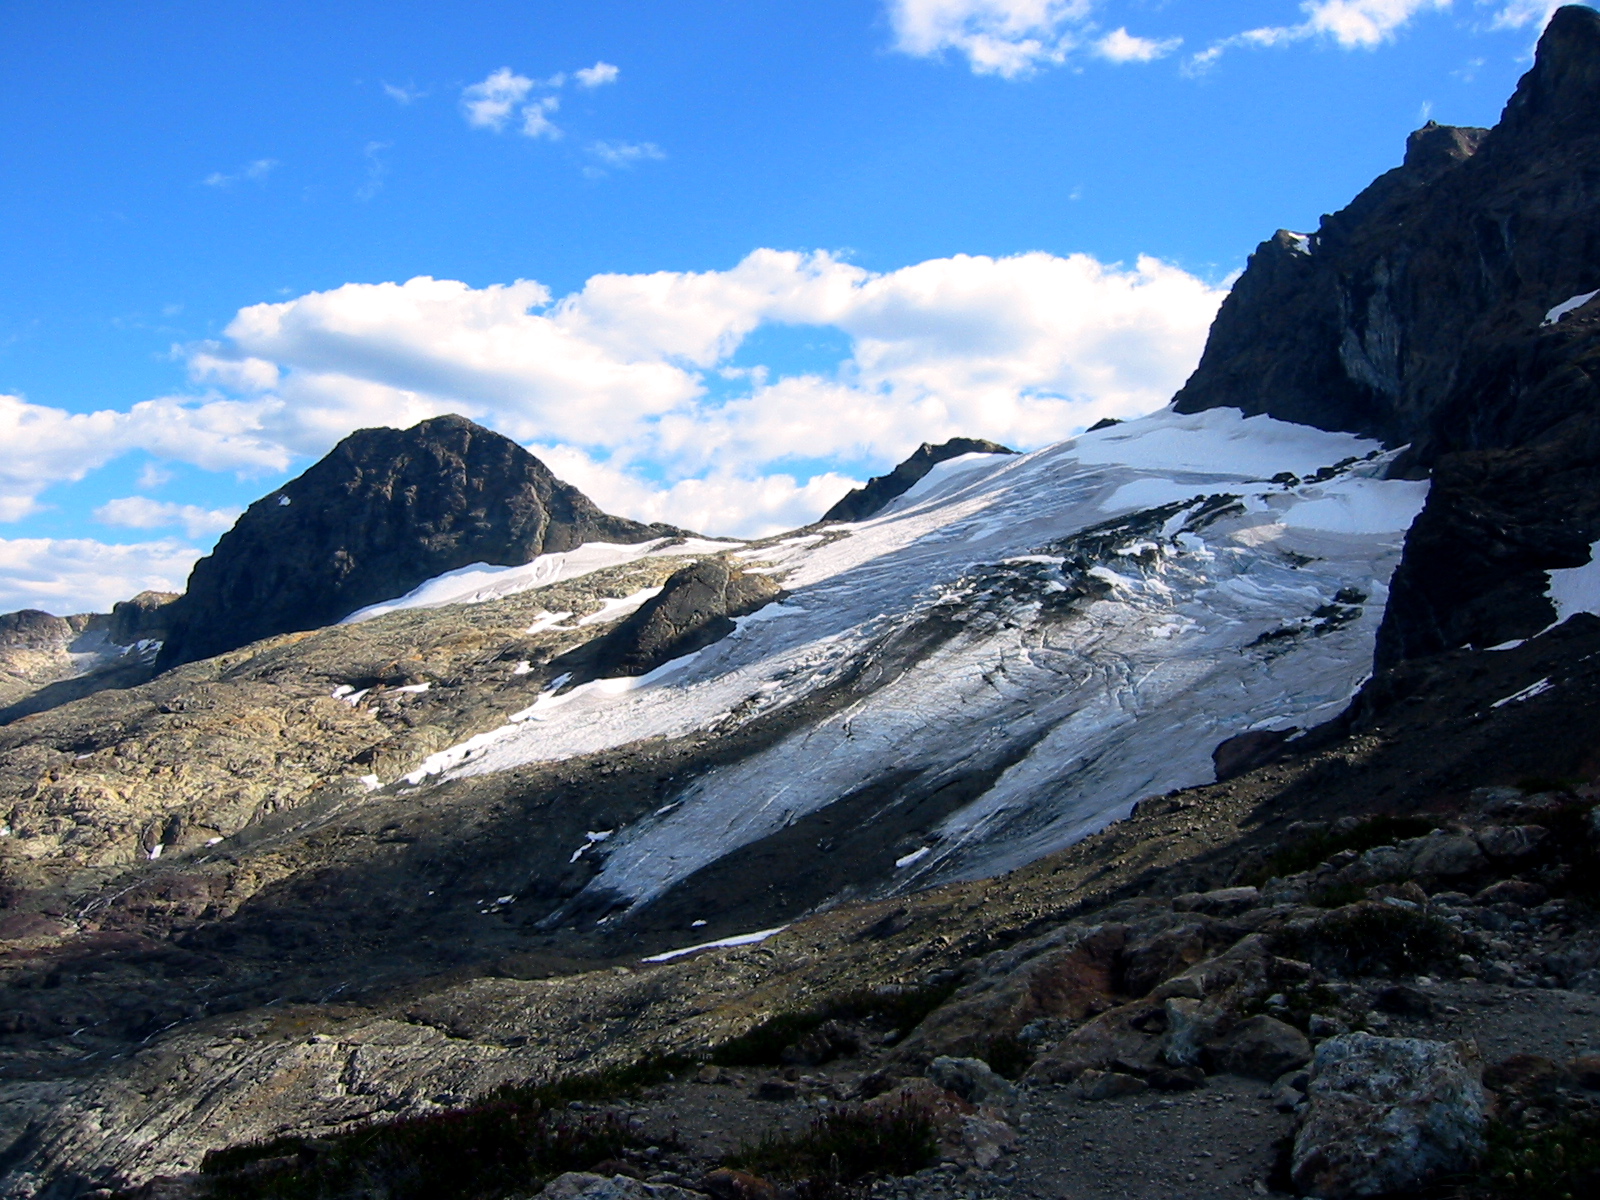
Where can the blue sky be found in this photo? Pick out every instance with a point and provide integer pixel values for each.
(713, 259)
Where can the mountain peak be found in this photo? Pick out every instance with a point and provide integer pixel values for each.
(384, 511)
(864, 501)
(1563, 88)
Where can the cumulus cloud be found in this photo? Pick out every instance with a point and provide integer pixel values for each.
(403, 94)
(598, 75)
(1013, 38)
(70, 575)
(631, 389)
(254, 172)
(140, 512)
(1348, 24)
(489, 104)
(1120, 46)
(1023, 349)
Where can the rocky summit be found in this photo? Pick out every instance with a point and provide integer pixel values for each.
(384, 511)
(1207, 805)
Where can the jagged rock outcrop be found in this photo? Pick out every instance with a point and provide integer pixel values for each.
(864, 501)
(386, 510)
(1430, 311)
(695, 607)
(47, 660)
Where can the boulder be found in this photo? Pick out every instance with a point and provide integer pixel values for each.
(1191, 1026)
(1514, 843)
(1445, 855)
(1223, 902)
(725, 1183)
(1117, 1036)
(972, 1080)
(1107, 1085)
(1386, 1115)
(582, 1185)
(1261, 1047)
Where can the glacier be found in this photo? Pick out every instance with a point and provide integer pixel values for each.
(1091, 619)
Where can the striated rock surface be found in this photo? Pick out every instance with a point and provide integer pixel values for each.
(864, 501)
(386, 510)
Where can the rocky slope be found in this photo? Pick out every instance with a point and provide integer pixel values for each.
(384, 511)
(47, 660)
(941, 773)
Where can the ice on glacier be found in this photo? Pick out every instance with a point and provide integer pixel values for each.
(1116, 697)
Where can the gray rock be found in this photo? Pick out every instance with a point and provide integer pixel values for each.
(1190, 1025)
(1517, 842)
(1107, 1085)
(1443, 855)
(581, 1184)
(1386, 1114)
(972, 1080)
(695, 608)
(1262, 1048)
(1223, 902)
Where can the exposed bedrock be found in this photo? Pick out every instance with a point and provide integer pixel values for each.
(386, 510)
(864, 501)
(1445, 307)
(695, 607)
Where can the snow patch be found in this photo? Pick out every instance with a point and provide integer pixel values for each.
(1555, 314)
(743, 939)
(1528, 693)
(618, 607)
(481, 582)
(1576, 590)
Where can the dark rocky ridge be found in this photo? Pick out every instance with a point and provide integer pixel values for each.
(386, 510)
(1416, 315)
(694, 608)
(864, 501)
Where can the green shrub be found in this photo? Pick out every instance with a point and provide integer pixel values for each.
(899, 1008)
(1562, 1163)
(473, 1153)
(1372, 939)
(844, 1148)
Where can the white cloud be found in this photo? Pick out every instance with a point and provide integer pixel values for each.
(403, 94)
(1519, 13)
(254, 171)
(625, 154)
(1120, 46)
(1023, 349)
(632, 378)
(1349, 24)
(154, 475)
(737, 506)
(1013, 38)
(598, 75)
(536, 122)
(488, 105)
(140, 512)
(69, 575)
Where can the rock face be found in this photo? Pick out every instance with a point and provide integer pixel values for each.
(879, 490)
(47, 660)
(386, 510)
(1386, 1115)
(694, 608)
(1422, 313)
